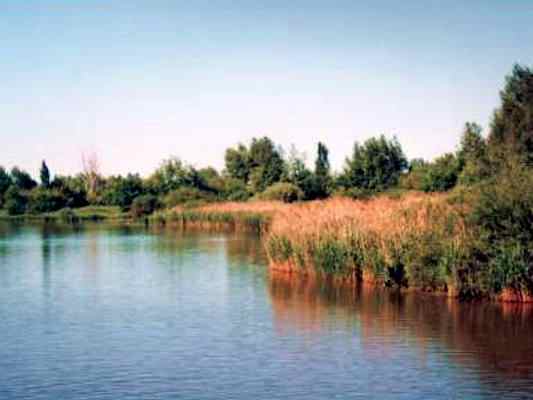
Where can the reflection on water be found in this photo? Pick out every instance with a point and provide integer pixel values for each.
(497, 337)
(99, 311)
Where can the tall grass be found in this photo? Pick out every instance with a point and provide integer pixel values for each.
(415, 240)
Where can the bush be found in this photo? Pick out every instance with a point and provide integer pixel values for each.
(286, 192)
(120, 191)
(442, 174)
(501, 215)
(144, 205)
(15, 201)
(185, 195)
(236, 190)
(44, 200)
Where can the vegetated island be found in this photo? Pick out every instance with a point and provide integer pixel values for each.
(460, 225)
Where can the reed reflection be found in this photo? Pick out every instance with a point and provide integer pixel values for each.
(496, 337)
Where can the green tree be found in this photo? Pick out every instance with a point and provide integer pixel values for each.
(45, 175)
(171, 175)
(121, 191)
(43, 200)
(512, 123)
(375, 165)
(15, 201)
(5, 182)
(442, 174)
(266, 163)
(238, 163)
(22, 180)
(299, 175)
(473, 156)
(322, 172)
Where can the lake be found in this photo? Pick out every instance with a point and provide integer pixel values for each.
(129, 312)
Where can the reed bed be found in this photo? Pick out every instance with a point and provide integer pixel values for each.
(421, 241)
(414, 241)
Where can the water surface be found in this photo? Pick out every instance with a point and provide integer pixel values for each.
(117, 312)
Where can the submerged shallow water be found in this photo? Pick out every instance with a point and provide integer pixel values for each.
(103, 312)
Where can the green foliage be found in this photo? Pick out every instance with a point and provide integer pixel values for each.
(442, 174)
(299, 175)
(5, 182)
(332, 256)
(266, 164)
(22, 180)
(15, 201)
(144, 205)
(171, 175)
(259, 166)
(512, 124)
(501, 215)
(281, 191)
(44, 174)
(473, 156)
(72, 189)
(238, 163)
(235, 190)
(322, 184)
(376, 165)
(414, 178)
(121, 191)
(186, 195)
(279, 248)
(43, 200)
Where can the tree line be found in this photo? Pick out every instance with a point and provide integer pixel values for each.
(263, 170)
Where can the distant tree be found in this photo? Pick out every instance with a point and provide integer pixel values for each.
(238, 163)
(22, 180)
(442, 174)
(266, 163)
(375, 165)
(42, 200)
(121, 191)
(5, 182)
(144, 205)
(414, 178)
(171, 175)
(236, 190)
(45, 175)
(72, 189)
(322, 172)
(473, 156)
(91, 174)
(299, 175)
(15, 201)
(512, 123)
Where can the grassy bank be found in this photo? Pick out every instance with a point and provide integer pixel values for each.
(413, 241)
(89, 213)
(253, 216)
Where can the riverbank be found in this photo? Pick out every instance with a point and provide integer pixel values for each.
(89, 213)
(410, 242)
(414, 242)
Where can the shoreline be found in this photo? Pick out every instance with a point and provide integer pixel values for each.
(335, 258)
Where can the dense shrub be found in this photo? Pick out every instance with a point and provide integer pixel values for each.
(375, 165)
(286, 192)
(22, 180)
(144, 205)
(43, 200)
(235, 190)
(121, 191)
(15, 201)
(442, 174)
(185, 195)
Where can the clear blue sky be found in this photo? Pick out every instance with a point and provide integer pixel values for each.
(138, 81)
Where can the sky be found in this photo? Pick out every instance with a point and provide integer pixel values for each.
(136, 82)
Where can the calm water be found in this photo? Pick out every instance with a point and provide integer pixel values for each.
(100, 312)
